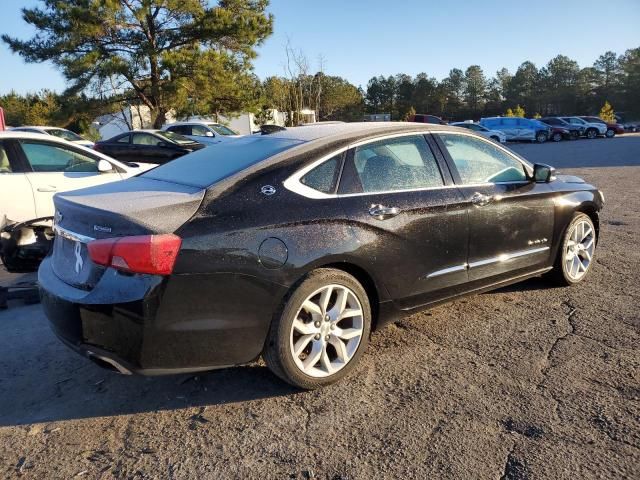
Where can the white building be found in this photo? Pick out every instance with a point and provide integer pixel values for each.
(133, 117)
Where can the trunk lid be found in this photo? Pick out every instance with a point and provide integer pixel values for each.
(137, 206)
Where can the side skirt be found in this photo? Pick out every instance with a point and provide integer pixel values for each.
(389, 315)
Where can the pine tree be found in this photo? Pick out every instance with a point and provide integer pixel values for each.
(537, 115)
(164, 54)
(607, 114)
(509, 113)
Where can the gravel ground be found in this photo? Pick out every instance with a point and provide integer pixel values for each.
(526, 382)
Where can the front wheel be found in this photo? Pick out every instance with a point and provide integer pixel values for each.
(556, 137)
(576, 251)
(610, 133)
(321, 332)
(541, 137)
(592, 133)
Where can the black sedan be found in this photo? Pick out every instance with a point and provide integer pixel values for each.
(147, 146)
(296, 245)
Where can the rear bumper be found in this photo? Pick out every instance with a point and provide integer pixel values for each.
(160, 325)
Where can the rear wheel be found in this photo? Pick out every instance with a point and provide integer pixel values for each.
(322, 331)
(576, 251)
(541, 137)
(556, 137)
(610, 133)
(592, 133)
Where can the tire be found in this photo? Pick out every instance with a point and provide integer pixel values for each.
(591, 133)
(541, 137)
(568, 271)
(556, 137)
(314, 334)
(610, 133)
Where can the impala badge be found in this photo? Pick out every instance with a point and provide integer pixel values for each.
(268, 190)
(100, 228)
(79, 261)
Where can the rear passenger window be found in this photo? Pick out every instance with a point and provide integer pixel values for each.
(324, 177)
(404, 163)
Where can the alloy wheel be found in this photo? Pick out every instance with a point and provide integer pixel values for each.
(579, 250)
(591, 134)
(326, 331)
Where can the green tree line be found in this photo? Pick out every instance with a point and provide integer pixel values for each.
(192, 57)
(559, 88)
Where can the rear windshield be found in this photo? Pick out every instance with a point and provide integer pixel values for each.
(216, 162)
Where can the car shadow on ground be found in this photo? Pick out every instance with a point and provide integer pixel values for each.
(42, 381)
(535, 283)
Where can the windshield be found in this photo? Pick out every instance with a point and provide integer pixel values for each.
(221, 129)
(175, 137)
(65, 134)
(210, 165)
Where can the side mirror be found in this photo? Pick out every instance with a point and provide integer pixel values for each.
(162, 144)
(209, 134)
(104, 166)
(543, 173)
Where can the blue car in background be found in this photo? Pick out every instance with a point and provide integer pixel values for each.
(516, 128)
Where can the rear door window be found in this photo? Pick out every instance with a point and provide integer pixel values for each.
(200, 131)
(403, 163)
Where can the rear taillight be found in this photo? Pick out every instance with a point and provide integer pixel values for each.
(154, 254)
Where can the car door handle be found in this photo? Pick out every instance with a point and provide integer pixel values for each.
(381, 212)
(49, 189)
(480, 200)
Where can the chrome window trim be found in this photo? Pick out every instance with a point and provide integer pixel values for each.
(73, 236)
(293, 183)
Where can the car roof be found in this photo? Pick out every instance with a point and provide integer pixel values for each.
(192, 122)
(337, 131)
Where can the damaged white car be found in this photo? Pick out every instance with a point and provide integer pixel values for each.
(33, 167)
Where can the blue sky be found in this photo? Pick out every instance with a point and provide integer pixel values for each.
(362, 38)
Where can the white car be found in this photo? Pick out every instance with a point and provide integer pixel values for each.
(496, 135)
(33, 168)
(591, 130)
(63, 133)
(208, 133)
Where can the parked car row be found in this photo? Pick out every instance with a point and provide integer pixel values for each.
(538, 130)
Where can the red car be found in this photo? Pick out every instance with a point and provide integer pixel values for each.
(613, 129)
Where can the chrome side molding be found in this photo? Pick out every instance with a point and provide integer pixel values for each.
(488, 261)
